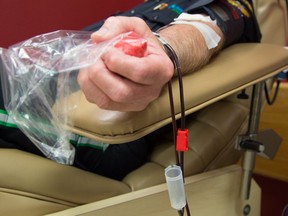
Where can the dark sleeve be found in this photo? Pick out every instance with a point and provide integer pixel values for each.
(156, 13)
(235, 18)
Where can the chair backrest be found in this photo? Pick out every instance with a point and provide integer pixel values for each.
(273, 20)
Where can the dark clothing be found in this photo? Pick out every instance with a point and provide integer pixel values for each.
(115, 161)
(237, 22)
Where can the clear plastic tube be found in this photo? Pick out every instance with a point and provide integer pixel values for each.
(175, 184)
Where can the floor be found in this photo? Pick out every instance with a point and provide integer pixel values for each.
(276, 117)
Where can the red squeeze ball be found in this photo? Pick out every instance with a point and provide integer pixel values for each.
(132, 44)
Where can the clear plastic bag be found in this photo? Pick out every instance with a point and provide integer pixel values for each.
(42, 70)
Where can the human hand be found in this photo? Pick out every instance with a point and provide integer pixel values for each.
(121, 82)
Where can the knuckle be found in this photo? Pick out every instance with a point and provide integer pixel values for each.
(138, 20)
(104, 105)
(110, 20)
(88, 98)
(140, 75)
(103, 102)
(112, 62)
(121, 94)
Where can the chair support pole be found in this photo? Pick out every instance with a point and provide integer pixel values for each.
(249, 158)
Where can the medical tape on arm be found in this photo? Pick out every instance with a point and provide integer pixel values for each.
(211, 38)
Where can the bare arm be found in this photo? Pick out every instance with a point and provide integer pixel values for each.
(190, 46)
(126, 83)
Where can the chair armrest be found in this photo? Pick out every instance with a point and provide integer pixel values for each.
(235, 68)
(28, 175)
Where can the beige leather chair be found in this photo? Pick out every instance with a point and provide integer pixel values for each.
(31, 185)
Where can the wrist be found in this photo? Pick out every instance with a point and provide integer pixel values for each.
(170, 53)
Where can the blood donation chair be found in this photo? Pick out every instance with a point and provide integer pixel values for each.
(216, 117)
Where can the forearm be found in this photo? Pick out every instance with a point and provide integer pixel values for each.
(190, 45)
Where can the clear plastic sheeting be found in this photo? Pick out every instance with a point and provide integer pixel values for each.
(40, 71)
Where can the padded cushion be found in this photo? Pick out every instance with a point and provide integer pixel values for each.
(273, 20)
(40, 177)
(43, 181)
(24, 205)
(212, 136)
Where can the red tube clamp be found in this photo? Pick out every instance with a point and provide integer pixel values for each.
(182, 140)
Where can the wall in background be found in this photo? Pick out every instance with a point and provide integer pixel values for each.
(22, 19)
